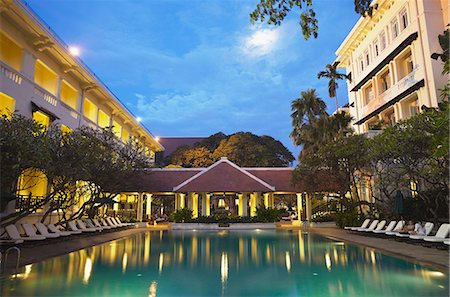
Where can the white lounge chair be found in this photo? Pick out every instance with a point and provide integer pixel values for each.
(380, 226)
(14, 234)
(105, 223)
(73, 227)
(447, 242)
(363, 225)
(82, 227)
(370, 228)
(117, 223)
(90, 224)
(399, 226)
(112, 223)
(124, 224)
(97, 224)
(428, 227)
(30, 232)
(55, 229)
(389, 227)
(441, 234)
(44, 231)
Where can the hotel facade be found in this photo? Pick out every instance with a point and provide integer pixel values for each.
(388, 57)
(41, 78)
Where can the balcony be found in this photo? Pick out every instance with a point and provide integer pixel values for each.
(402, 85)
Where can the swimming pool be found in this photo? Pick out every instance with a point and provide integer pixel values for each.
(226, 263)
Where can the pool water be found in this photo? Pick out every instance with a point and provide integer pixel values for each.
(226, 263)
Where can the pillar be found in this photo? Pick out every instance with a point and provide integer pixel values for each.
(253, 203)
(308, 207)
(241, 205)
(182, 200)
(148, 211)
(177, 201)
(266, 200)
(207, 204)
(189, 200)
(194, 205)
(272, 200)
(139, 209)
(299, 206)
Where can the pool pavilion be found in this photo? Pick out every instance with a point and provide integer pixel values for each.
(223, 185)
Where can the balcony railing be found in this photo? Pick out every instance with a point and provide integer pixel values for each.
(11, 74)
(402, 85)
(24, 202)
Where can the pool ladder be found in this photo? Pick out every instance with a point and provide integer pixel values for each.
(4, 261)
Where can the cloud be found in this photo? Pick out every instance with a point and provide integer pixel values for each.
(261, 42)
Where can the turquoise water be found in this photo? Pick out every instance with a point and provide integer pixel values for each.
(226, 263)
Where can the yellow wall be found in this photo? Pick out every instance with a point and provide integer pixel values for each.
(10, 52)
(41, 118)
(69, 95)
(103, 119)
(7, 104)
(32, 181)
(125, 135)
(45, 77)
(65, 129)
(117, 129)
(90, 110)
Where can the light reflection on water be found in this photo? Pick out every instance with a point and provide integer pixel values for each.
(264, 263)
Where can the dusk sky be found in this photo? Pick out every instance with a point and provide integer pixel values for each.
(194, 68)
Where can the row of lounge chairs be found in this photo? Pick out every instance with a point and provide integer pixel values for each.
(379, 228)
(40, 231)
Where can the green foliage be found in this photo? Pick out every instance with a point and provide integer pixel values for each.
(267, 215)
(183, 215)
(273, 12)
(349, 218)
(333, 76)
(243, 148)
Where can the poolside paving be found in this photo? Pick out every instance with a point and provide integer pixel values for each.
(434, 257)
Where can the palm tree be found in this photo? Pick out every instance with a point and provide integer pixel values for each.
(333, 75)
(305, 109)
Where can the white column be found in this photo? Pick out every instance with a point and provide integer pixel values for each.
(241, 205)
(266, 200)
(203, 204)
(299, 206)
(139, 207)
(272, 200)
(182, 200)
(253, 204)
(189, 200)
(148, 210)
(28, 65)
(207, 204)
(194, 205)
(308, 207)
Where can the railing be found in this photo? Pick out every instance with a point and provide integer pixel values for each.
(24, 202)
(11, 74)
(45, 95)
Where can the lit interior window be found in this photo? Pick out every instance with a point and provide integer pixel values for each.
(69, 95)
(45, 77)
(10, 52)
(7, 104)
(90, 110)
(41, 118)
(103, 119)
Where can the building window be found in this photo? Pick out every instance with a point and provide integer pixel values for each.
(404, 18)
(7, 105)
(41, 118)
(368, 94)
(65, 129)
(391, 118)
(375, 48)
(394, 27)
(10, 52)
(361, 64)
(367, 57)
(90, 110)
(385, 81)
(406, 65)
(69, 95)
(383, 43)
(32, 183)
(45, 77)
(117, 129)
(125, 135)
(103, 119)
(413, 108)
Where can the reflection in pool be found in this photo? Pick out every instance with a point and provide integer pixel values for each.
(223, 263)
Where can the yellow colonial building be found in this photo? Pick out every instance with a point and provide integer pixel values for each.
(42, 78)
(388, 57)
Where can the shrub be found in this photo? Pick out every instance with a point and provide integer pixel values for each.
(267, 215)
(348, 218)
(181, 216)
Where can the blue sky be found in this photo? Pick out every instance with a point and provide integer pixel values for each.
(194, 68)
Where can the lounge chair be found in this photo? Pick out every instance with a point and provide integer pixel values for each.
(73, 227)
(10, 241)
(97, 224)
(380, 226)
(441, 234)
(117, 223)
(90, 224)
(364, 225)
(30, 232)
(399, 226)
(124, 224)
(370, 228)
(447, 242)
(112, 223)
(106, 224)
(428, 227)
(84, 228)
(44, 231)
(55, 229)
(389, 227)
(14, 234)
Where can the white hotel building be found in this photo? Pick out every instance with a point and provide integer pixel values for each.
(388, 57)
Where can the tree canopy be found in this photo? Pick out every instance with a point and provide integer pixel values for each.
(242, 148)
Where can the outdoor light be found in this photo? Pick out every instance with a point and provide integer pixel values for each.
(139, 119)
(157, 138)
(74, 50)
(221, 202)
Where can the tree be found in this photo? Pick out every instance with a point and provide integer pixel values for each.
(305, 109)
(333, 76)
(444, 41)
(274, 12)
(243, 148)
